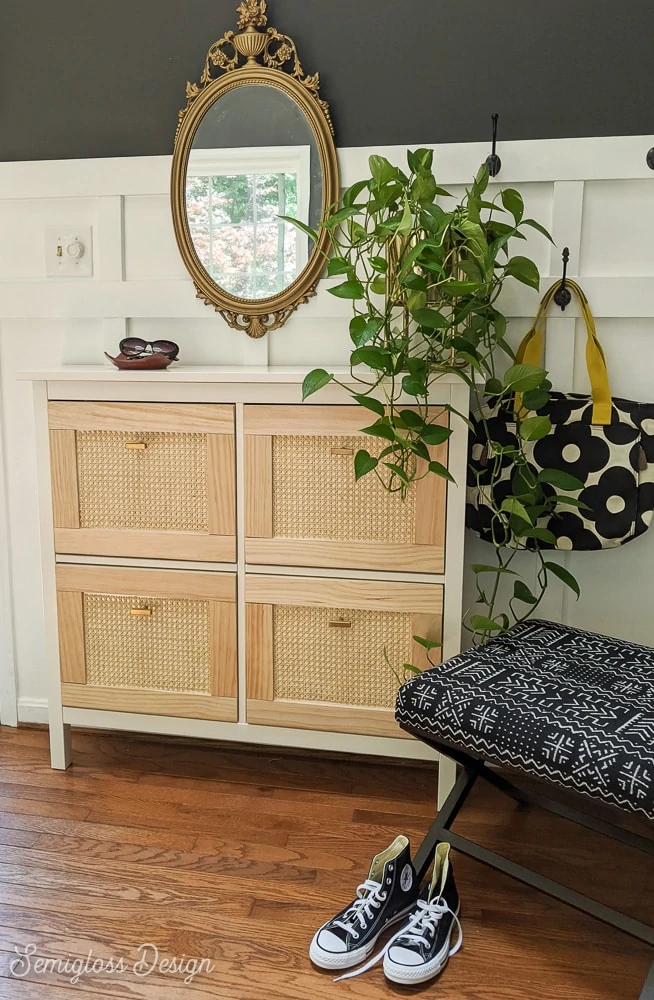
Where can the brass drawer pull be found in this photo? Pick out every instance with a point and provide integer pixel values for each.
(342, 451)
(141, 612)
(340, 623)
(136, 445)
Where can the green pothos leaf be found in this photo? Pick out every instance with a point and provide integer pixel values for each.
(352, 289)
(370, 403)
(521, 592)
(427, 644)
(513, 506)
(482, 624)
(364, 463)
(314, 381)
(439, 470)
(300, 225)
(564, 576)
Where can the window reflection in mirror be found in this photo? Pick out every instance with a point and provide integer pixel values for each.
(234, 198)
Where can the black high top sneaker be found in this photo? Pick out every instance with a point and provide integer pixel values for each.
(387, 896)
(422, 947)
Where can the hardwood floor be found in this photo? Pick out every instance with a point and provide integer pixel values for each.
(237, 855)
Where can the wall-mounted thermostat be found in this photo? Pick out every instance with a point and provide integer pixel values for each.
(69, 252)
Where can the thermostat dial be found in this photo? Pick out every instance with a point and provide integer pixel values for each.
(75, 250)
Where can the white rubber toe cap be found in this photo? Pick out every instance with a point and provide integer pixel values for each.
(330, 942)
(404, 956)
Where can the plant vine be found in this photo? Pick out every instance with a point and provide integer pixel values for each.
(424, 277)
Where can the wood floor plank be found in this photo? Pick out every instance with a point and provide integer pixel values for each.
(238, 855)
(172, 866)
(37, 826)
(129, 882)
(18, 838)
(186, 792)
(41, 807)
(149, 836)
(60, 904)
(15, 989)
(210, 854)
(163, 829)
(287, 782)
(184, 811)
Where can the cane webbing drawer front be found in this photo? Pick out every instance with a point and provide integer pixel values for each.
(333, 654)
(144, 480)
(315, 494)
(157, 488)
(326, 654)
(148, 641)
(305, 508)
(166, 649)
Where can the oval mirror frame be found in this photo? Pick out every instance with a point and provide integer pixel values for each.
(250, 57)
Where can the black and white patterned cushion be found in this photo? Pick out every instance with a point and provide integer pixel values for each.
(565, 705)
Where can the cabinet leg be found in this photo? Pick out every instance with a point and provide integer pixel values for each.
(61, 748)
(446, 778)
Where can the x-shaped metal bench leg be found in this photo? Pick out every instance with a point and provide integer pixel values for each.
(648, 988)
(440, 830)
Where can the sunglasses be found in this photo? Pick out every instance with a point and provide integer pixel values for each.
(134, 347)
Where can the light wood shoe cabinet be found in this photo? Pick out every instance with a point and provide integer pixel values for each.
(212, 568)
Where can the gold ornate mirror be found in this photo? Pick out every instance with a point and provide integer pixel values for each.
(254, 143)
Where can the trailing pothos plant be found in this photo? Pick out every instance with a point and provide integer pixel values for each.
(424, 275)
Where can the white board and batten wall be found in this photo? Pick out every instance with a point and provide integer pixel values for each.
(595, 195)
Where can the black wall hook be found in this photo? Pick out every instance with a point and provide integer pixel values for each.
(563, 296)
(650, 158)
(493, 161)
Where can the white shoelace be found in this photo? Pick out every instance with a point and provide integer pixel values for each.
(369, 898)
(425, 918)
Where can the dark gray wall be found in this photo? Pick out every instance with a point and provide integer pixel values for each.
(81, 78)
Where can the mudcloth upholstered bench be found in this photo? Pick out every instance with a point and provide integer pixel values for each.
(556, 703)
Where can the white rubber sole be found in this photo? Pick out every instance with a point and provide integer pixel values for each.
(407, 975)
(347, 959)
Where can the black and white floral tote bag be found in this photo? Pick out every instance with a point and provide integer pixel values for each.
(604, 442)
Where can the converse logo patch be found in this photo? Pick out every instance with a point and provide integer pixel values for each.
(406, 878)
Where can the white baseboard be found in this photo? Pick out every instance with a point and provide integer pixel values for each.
(33, 710)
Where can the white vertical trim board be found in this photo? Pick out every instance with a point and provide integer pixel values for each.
(567, 220)
(454, 556)
(113, 331)
(567, 227)
(110, 239)
(8, 692)
(455, 524)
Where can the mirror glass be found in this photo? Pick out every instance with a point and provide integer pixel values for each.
(254, 157)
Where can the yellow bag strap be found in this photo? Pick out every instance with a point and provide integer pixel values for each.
(532, 348)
